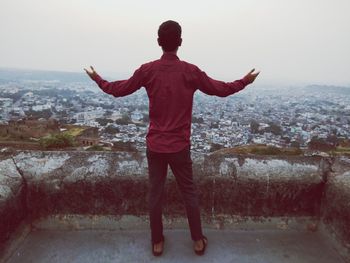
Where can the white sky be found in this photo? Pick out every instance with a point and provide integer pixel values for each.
(294, 41)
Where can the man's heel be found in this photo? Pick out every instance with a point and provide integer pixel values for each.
(201, 252)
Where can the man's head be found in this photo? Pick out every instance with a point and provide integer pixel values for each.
(169, 36)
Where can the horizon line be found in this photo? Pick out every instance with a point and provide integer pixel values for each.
(266, 82)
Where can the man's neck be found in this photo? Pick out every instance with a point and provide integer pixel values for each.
(170, 52)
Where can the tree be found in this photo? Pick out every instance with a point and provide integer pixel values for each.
(39, 114)
(124, 120)
(108, 113)
(295, 144)
(332, 139)
(286, 139)
(197, 120)
(215, 146)
(214, 125)
(254, 126)
(274, 128)
(59, 140)
(104, 121)
(320, 144)
(124, 146)
(95, 148)
(145, 118)
(111, 129)
(106, 106)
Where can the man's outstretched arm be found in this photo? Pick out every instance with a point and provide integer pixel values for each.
(220, 88)
(117, 88)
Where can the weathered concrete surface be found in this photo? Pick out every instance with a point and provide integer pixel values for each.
(134, 246)
(12, 196)
(79, 182)
(231, 187)
(117, 183)
(125, 222)
(336, 203)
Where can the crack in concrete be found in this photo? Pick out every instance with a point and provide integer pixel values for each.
(267, 184)
(213, 202)
(326, 165)
(24, 186)
(18, 169)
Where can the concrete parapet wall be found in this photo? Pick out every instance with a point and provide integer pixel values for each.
(37, 184)
(117, 183)
(12, 199)
(336, 202)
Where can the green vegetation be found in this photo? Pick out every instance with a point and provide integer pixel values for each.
(124, 120)
(59, 140)
(39, 114)
(111, 129)
(5, 137)
(75, 131)
(215, 147)
(322, 144)
(261, 149)
(145, 118)
(124, 146)
(104, 121)
(197, 119)
(254, 126)
(273, 128)
(95, 148)
(341, 151)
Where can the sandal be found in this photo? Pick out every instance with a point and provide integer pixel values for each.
(201, 252)
(156, 253)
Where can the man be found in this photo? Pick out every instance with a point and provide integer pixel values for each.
(170, 84)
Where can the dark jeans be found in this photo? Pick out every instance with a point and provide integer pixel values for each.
(181, 166)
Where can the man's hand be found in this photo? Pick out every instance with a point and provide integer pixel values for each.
(91, 73)
(250, 77)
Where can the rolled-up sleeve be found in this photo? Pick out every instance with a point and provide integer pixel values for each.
(121, 88)
(216, 87)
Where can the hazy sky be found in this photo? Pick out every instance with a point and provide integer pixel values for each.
(294, 41)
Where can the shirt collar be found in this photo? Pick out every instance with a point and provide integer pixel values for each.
(169, 56)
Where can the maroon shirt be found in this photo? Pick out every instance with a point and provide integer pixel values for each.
(170, 84)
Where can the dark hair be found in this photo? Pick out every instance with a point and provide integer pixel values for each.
(169, 34)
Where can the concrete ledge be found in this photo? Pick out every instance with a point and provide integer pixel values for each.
(336, 203)
(117, 183)
(232, 188)
(12, 197)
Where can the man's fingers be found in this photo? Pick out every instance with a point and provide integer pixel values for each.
(251, 72)
(92, 68)
(87, 72)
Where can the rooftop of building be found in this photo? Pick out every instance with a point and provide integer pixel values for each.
(58, 206)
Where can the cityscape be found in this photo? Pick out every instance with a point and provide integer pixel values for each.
(276, 116)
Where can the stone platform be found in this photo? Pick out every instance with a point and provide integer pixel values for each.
(225, 246)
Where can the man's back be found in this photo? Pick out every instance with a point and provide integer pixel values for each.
(170, 88)
(170, 84)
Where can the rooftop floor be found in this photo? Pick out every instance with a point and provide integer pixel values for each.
(253, 246)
